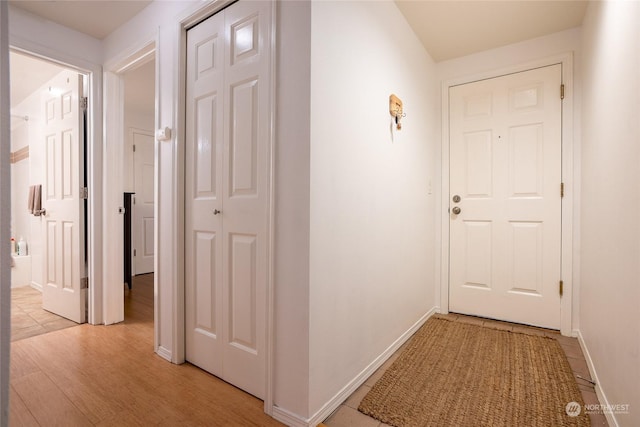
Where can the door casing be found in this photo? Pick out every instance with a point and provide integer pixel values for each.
(567, 324)
(113, 293)
(93, 74)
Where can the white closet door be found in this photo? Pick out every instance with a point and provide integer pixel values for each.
(227, 185)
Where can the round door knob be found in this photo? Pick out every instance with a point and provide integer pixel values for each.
(456, 210)
(216, 212)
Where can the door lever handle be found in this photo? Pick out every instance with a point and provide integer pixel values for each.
(216, 212)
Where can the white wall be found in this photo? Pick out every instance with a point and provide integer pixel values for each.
(610, 290)
(372, 217)
(291, 239)
(20, 218)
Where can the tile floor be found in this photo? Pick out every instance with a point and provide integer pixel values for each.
(29, 319)
(347, 414)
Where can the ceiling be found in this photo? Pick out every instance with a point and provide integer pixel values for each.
(452, 28)
(447, 28)
(28, 74)
(97, 18)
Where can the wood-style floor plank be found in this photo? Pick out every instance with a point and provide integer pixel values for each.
(47, 402)
(20, 415)
(110, 376)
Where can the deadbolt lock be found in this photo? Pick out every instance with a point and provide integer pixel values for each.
(456, 198)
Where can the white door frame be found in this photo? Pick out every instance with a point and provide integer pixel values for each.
(114, 136)
(93, 165)
(566, 303)
(5, 216)
(189, 20)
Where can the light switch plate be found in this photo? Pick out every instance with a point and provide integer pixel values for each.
(163, 134)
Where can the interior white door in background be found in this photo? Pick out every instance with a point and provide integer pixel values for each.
(227, 193)
(63, 222)
(143, 201)
(506, 170)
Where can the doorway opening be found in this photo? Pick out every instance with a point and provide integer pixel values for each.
(48, 195)
(138, 192)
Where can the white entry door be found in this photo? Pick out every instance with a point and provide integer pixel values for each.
(63, 223)
(143, 201)
(505, 180)
(227, 193)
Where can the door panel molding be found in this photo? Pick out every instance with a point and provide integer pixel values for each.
(568, 324)
(242, 182)
(63, 226)
(144, 206)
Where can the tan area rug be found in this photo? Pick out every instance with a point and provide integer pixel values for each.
(457, 374)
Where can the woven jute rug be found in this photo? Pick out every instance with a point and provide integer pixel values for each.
(457, 374)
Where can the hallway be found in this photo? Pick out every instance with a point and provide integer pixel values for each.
(109, 375)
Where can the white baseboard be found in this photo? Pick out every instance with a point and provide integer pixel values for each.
(164, 353)
(353, 385)
(288, 418)
(36, 286)
(611, 419)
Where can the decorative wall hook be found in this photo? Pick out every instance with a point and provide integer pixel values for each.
(395, 109)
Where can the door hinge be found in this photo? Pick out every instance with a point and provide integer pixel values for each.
(562, 91)
(134, 148)
(84, 283)
(134, 252)
(84, 103)
(561, 287)
(562, 189)
(84, 193)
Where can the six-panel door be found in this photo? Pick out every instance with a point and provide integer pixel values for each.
(144, 203)
(227, 191)
(63, 220)
(505, 165)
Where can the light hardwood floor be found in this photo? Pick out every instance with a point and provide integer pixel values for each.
(109, 376)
